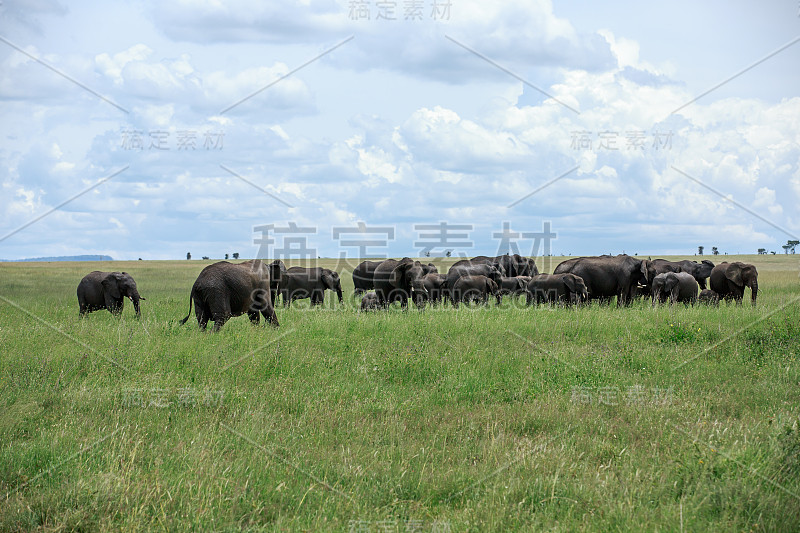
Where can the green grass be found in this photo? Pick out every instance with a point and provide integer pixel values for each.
(480, 419)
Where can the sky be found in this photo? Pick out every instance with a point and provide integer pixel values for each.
(397, 128)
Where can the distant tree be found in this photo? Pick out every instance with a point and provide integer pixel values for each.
(140, 259)
(188, 256)
(762, 251)
(791, 245)
(427, 253)
(205, 257)
(773, 252)
(714, 250)
(236, 255)
(226, 257)
(786, 248)
(448, 253)
(700, 250)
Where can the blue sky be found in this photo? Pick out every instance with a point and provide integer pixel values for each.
(453, 118)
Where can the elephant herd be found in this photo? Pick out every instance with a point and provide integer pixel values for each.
(224, 290)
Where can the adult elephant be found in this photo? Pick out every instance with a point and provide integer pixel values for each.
(107, 290)
(394, 280)
(608, 276)
(514, 286)
(475, 289)
(675, 286)
(513, 264)
(299, 283)
(434, 290)
(555, 288)
(699, 271)
(729, 280)
(224, 290)
(493, 271)
(363, 276)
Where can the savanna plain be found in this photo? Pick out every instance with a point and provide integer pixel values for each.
(594, 418)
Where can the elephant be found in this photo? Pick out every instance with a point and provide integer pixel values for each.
(107, 290)
(608, 276)
(514, 286)
(554, 288)
(434, 290)
(224, 290)
(677, 286)
(700, 271)
(513, 265)
(299, 283)
(363, 276)
(494, 271)
(475, 288)
(729, 280)
(394, 280)
(708, 297)
(370, 302)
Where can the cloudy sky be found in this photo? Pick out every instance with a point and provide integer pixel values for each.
(152, 129)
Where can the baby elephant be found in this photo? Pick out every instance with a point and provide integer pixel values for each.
(475, 288)
(677, 286)
(553, 288)
(107, 290)
(708, 297)
(370, 302)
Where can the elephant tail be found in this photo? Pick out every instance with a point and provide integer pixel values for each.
(191, 298)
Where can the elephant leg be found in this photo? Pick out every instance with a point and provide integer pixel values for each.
(269, 315)
(254, 317)
(203, 313)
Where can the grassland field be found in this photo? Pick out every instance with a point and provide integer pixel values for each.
(595, 418)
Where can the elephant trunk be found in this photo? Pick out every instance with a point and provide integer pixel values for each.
(135, 297)
(754, 291)
(339, 294)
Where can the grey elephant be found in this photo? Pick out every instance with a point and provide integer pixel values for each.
(514, 286)
(675, 286)
(395, 280)
(299, 283)
(107, 290)
(729, 280)
(370, 302)
(708, 297)
(434, 290)
(557, 288)
(513, 264)
(700, 271)
(363, 276)
(493, 271)
(608, 276)
(224, 290)
(475, 289)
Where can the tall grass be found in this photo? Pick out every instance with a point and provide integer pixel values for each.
(475, 419)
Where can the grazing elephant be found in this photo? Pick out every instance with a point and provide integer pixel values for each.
(708, 297)
(394, 280)
(224, 290)
(370, 302)
(434, 290)
(555, 288)
(608, 276)
(677, 286)
(513, 265)
(514, 286)
(700, 271)
(730, 279)
(107, 290)
(494, 271)
(363, 276)
(475, 288)
(299, 283)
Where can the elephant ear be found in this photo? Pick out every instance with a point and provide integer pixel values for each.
(670, 283)
(111, 286)
(491, 286)
(569, 281)
(329, 281)
(643, 268)
(399, 273)
(734, 273)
